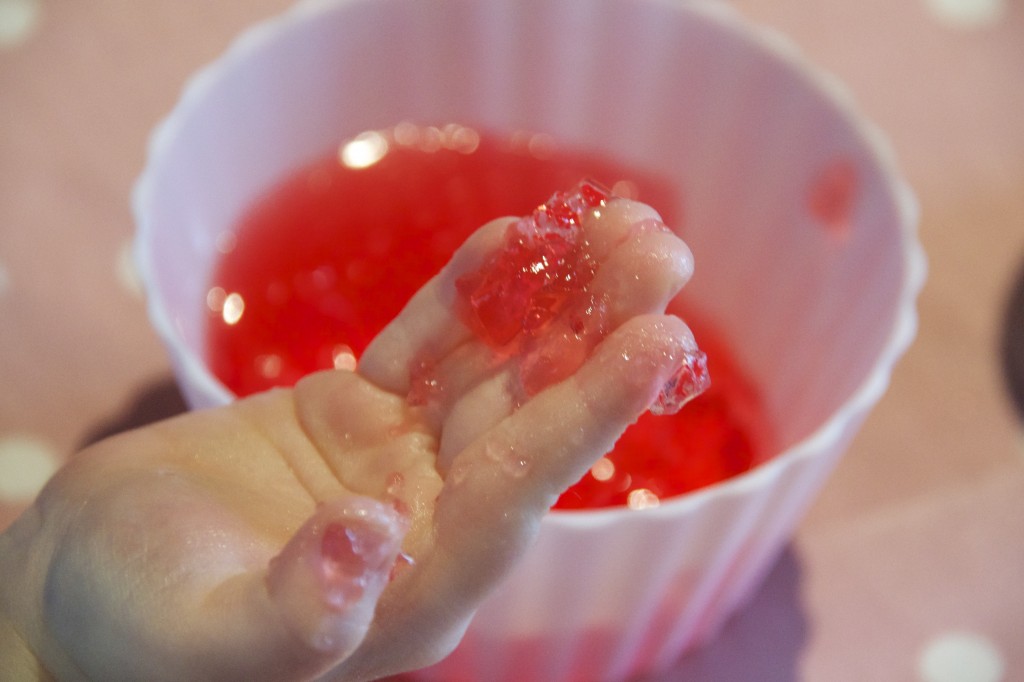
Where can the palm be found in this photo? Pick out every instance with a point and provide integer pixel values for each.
(335, 529)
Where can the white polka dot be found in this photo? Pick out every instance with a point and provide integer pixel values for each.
(18, 18)
(968, 13)
(26, 463)
(127, 272)
(961, 657)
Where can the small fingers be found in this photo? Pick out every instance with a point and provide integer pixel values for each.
(644, 266)
(644, 273)
(430, 326)
(508, 478)
(614, 223)
(429, 323)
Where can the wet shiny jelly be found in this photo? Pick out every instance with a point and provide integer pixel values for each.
(543, 274)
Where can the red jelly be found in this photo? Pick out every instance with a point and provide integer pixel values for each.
(328, 257)
(543, 267)
(545, 270)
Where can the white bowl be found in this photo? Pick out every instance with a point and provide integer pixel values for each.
(817, 308)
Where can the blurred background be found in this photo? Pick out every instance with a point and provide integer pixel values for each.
(909, 566)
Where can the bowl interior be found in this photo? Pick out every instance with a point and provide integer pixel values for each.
(742, 131)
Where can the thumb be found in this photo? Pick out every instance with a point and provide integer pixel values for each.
(325, 583)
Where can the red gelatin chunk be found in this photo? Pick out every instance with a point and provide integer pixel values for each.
(689, 381)
(543, 267)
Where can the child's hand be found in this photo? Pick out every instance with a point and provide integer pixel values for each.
(334, 529)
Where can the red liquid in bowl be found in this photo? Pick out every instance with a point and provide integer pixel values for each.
(329, 256)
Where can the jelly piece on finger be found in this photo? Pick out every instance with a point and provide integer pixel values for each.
(543, 273)
(688, 382)
(543, 265)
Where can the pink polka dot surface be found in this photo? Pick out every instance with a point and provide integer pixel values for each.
(26, 463)
(907, 567)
